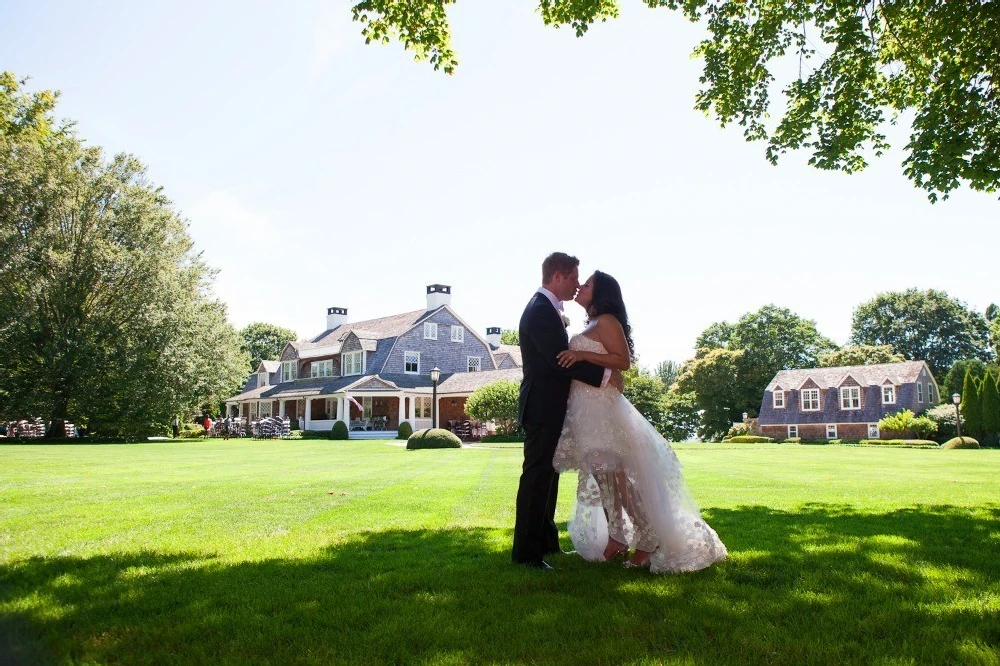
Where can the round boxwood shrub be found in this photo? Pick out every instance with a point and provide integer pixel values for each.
(433, 438)
(751, 439)
(960, 443)
(404, 431)
(339, 431)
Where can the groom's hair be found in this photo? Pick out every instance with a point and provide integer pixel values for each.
(557, 262)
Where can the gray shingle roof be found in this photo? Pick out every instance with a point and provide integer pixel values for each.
(513, 350)
(372, 329)
(270, 366)
(467, 382)
(904, 372)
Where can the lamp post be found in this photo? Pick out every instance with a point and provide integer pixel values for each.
(957, 399)
(744, 417)
(435, 376)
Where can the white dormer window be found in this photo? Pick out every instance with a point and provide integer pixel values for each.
(779, 399)
(353, 363)
(457, 334)
(850, 397)
(930, 392)
(411, 363)
(810, 400)
(475, 363)
(261, 379)
(920, 392)
(430, 331)
(289, 371)
(888, 395)
(321, 368)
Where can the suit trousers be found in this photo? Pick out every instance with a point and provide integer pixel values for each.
(535, 531)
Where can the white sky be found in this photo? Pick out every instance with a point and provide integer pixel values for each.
(316, 171)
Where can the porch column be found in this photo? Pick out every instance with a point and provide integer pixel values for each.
(412, 418)
(281, 408)
(402, 411)
(340, 408)
(309, 410)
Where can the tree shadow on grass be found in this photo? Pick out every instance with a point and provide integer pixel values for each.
(819, 585)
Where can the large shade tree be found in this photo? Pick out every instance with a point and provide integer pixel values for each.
(923, 326)
(859, 355)
(106, 311)
(263, 341)
(849, 70)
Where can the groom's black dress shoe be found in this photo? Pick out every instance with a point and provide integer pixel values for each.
(561, 552)
(541, 565)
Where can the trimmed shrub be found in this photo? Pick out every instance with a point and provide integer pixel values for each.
(751, 439)
(739, 430)
(902, 443)
(339, 431)
(404, 431)
(314, 434)
(514, 437)
(433, 438)
(191, 431)
(960, 443)
(792, 440)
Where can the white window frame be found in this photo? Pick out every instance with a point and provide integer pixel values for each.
(831, 431)
(321, 368)
(920, 392)
(405, 362)
(873, 432)
(793, 430)
(261, 379)
(778, 399)
(420, 403)
(848, 395)
(892, 394)
(930, 393)
(430, 330)
(477, 359)
(352, 363)
(289, 371)
(457, 334)
(802, 400)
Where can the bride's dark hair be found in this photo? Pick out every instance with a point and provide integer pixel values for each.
(606, 298)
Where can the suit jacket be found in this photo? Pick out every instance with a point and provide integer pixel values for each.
(545, 387)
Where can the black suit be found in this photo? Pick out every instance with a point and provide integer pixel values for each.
(541, 410)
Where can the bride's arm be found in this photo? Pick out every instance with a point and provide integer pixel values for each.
(610, 334)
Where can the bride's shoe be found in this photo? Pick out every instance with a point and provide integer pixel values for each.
(640, 560)
(614, 549)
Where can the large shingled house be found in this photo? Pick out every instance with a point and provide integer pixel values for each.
(378, 371)
(843, 403)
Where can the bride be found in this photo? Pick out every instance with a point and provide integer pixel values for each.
(631, 493)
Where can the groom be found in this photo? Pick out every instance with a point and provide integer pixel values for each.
(542, 407)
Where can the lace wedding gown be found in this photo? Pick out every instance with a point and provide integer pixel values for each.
(630, 482)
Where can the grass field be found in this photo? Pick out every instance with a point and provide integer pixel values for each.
(319, 552)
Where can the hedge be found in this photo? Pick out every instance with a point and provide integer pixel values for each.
(433, 438)
(504, 439)
(905, 443)
(404, 431)
(750, 439)
(960, 443)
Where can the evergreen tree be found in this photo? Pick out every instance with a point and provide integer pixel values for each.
(989, 400)
(971, 406)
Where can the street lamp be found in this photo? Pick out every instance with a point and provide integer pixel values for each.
(435, 376)
(957, 399)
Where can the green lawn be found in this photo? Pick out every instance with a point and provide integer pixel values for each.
(365, 553)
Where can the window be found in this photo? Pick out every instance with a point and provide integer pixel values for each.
(353, 363)
(366, 404)
(321, 368)
(289, 371)
(810, 400)
(850, 397)
(888, 395)
(411, 362)
(457, 334)
(831, 431)
(920, 392)
(779, 399)
(422, 407)
(430, 331)
(930, 392)
(262, 379)
(264, 409)
(873, 431)
(475, 363)
(793, 431)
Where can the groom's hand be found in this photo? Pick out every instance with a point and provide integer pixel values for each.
(617, 380)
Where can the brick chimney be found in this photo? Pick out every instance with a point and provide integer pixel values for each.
(335, 317)
(438, 295)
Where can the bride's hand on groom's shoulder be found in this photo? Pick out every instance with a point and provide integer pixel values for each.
(567, 358)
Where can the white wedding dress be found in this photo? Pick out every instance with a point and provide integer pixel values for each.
(630, 483)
